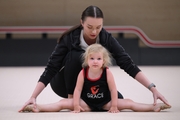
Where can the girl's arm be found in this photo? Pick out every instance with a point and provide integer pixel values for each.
(77, 92)
(113, 91)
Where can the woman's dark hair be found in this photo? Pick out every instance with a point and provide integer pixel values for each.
(91, 11)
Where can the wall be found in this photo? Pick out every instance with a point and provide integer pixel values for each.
(159, 19)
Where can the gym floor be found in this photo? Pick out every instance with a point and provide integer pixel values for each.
(18, 83)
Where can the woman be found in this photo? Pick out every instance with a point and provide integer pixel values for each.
(64, 63)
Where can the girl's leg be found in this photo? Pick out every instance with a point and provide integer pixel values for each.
(52, 107)
(138, 107)
(56, 107)
(84, 106)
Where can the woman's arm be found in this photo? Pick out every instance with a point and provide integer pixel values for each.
(113, 91)
(38, 89)
(140, 77)
(126, 63)
(55, 62)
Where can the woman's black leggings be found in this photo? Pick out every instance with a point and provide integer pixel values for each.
(64, 81)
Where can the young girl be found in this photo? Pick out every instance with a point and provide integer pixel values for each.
(95, 89)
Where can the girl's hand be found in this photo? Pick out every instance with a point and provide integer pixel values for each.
(113, 110)
(78, 109)
(30, 101)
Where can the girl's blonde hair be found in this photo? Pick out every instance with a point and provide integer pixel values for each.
(97, 48)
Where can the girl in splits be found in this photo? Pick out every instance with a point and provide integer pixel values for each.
(95, 89)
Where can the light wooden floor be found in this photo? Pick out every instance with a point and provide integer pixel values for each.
(17, 84)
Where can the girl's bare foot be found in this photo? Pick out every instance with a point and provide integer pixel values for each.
(31, 108)
(161, 106)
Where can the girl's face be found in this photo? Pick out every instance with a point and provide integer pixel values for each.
(95, 60)
(92, 27)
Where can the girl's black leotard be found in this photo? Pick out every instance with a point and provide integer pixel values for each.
(95, 92)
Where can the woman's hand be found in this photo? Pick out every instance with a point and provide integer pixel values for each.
(157, 96)
(30, 101)
(140, 77)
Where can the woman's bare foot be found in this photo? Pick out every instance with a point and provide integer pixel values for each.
(161, 106)
(31, 108)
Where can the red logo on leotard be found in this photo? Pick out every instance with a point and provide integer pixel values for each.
(95, 89)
